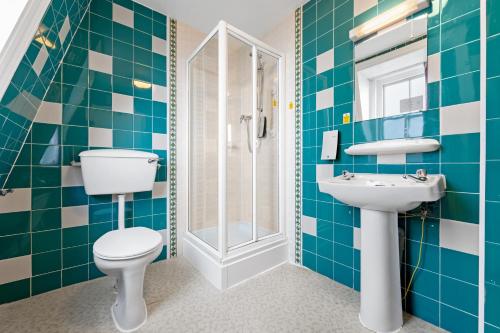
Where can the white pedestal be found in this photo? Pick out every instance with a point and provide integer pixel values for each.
(380, 273)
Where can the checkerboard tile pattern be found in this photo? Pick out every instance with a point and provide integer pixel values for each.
(331, 229)
(110, 91)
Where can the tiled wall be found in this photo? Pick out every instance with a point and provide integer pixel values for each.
(109, 92)
(492, 224)
(330, 228)
(32, 78)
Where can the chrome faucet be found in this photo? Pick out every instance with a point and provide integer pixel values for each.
(420, 176)
(347, 175)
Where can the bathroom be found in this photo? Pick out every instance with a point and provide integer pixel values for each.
(272, 166)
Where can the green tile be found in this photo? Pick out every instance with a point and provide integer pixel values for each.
(123, 139)
(101, 44)
(123, 121)
(123, 33)
(142, 39)
(455, 180)
(469, 148)
(460, 60)
(98, 229)
(43, 198)
(20, 177)
(99, 80)
(44, 283)
(46, 176)
(460, 89)
(75, 275)
(76, 56)
(75, 256)
(100, 213)
(492, 305)
(123, 68)
(75, 115)
(74, 196)
(462, 207)
(468, 24)
(44, 241)
(75, 95)
(46, 155)
(455, 9)
(14, 223)
(46, 134)
(143, 23)
(76, 136)
(74, 75)
(14, 291)
(100, 99)
(159, 109)
(123, 50)
(142, 56)
(75, 236)
(143, 123)
(46, 262)
(100, 118)
(493, 19)
(122, 85)
(46, 219)
(493, 176)
(159, 30)
(14, 246)
(102, 8)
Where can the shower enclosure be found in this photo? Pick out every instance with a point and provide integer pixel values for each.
(235, 201)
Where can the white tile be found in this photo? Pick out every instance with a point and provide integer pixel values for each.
(160, 141)
(123, 103)
(324, 61)
(49, 113)
(324, 99)
(159, 46)
(17, 201)
(160, 93)
(71, 176)
(391, 159)
(100, 137)
(64, 30)
(123, 15)
(100, 62)
(460, 118)
(74, 216)
(160, 189)
(15, 269)
(41, 60)
(356, 235)
(434, 68)
(361, 6)
(309, 225)
(324, 171)
(459, 236)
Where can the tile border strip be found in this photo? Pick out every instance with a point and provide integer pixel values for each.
(298, 134)
(172, 36)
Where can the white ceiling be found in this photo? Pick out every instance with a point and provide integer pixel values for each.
(256, 17)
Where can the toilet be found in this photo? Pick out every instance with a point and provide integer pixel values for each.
(123, 254)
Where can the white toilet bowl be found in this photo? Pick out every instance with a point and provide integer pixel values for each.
(124, 255)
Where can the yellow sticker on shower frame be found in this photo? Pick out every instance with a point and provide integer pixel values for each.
(346, 118)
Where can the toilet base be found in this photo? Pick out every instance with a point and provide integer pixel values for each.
(117, 325)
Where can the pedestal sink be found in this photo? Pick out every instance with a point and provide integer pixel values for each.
(381, 197)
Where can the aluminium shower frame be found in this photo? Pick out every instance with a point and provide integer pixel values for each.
(223, 253)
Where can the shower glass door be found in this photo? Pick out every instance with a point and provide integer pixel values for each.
(239, 199)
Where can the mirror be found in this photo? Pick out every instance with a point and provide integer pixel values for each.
(393, 81)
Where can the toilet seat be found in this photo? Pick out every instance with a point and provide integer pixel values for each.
(128, 243)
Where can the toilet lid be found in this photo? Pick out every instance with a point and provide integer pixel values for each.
(127, 243)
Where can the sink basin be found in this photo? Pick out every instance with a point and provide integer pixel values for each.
(381, 197)
(389, 193)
